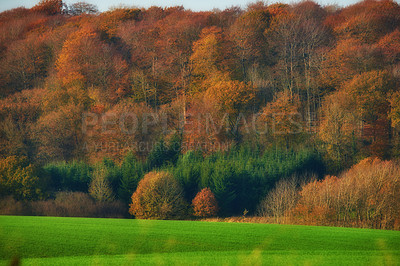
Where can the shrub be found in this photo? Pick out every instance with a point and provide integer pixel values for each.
(10, 206)
(364, 196)
(77, 204)
(280, 201)
(205, 204)
(158, 196)
(112, 209)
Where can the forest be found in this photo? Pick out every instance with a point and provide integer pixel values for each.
(290, 112)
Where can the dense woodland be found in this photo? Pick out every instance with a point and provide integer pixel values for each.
(252, 107)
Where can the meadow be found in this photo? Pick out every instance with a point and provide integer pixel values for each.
(90, 241)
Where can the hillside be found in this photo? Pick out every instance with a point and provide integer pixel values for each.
(286, 111)
(78, 84)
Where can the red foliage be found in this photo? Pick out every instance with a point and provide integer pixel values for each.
(205, 204)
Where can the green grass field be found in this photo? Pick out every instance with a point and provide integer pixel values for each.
(76, 241)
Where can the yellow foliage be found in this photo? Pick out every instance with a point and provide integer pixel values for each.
(231, 96)
(158, 196)
(17, 178)
(395, 109)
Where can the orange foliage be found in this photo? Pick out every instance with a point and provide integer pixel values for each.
(366, 195)
(68, 66)
(49, 7)
(113, 132)
(368, 20)
(18, 114)
(283, 118)
(205, 204)
(231, 96)
(110, 20)
(204, 127)
(390, 46)
(349, 58)
(86, 61)
(278, 9)
(212, 57)
(370, 92)
(59, 134)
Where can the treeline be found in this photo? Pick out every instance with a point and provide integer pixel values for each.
(238, 179)
(275, 186)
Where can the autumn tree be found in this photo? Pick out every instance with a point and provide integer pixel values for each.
(215, 79)
(127, 126)
(339, 129)
(18, 114)
(394, 116)
(232, 98)
(79, 64)
(14, 24)
(370, 95)
(205, 204)
(248, 34)
(25, 64)
(160, 45)
(297, 39)
(177, 32)
(395, 109)
(348, 58)
(110, 20)
(19, 178)
(316, 205)
(212, 57)
(367, 21)
(204, 127)
(225, 18)
(219, 115)
(283, 119)
(358, 114)
(390, 47)
(49, 7)
(59, 134)
(158, 196)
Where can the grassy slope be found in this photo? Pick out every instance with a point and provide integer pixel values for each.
(48, 240)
